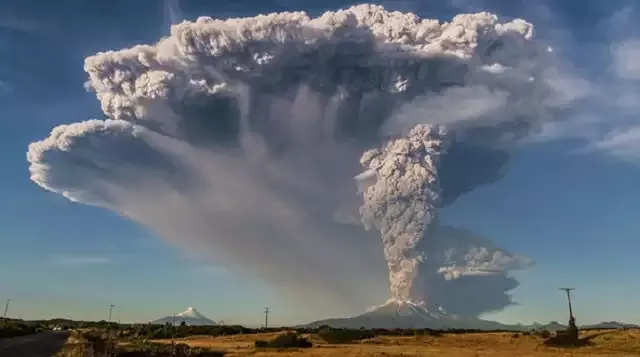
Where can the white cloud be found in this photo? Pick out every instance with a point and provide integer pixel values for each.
(624, 144)
(22, 24)
(211, 270)
(626, 58)
(566, 88)
(81, 260)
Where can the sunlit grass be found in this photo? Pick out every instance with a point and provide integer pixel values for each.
(606, 343)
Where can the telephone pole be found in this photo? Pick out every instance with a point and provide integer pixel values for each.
(110, 311)
(572, 321)
(572, 332)
(266, 316)
(395, 317)
(6, 308)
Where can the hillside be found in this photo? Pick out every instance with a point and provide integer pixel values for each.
(408, 315)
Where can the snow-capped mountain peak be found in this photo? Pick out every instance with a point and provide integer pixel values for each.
(192, 313)
(190, 317)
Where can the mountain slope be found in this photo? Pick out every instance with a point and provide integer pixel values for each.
(404, 315)
(190, 317)
(409, 315)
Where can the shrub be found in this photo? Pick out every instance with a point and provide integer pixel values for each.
(162, 350)
(285, 340)
(338, 336)
(100, 342)
(544, 334)
(10, 328)
(433, 333)
(261, 344)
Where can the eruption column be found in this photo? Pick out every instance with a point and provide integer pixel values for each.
(237, 139)
(403, 201)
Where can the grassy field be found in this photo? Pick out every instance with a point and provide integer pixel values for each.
(602, 343)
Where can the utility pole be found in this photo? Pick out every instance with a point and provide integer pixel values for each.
(572, 321)
(572, 332)
(395, 317)
(173, 327)
(110, 311)
(266, 316)
(6, 308)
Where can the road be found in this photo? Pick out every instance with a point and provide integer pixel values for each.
(45, 344)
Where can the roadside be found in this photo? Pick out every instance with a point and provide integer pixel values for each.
(44, 344)
(75, 346)
(92, 343)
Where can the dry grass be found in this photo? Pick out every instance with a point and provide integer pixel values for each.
(604, 343)
(75, 346)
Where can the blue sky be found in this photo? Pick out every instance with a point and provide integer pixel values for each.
(573, 214)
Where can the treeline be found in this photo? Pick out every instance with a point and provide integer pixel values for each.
(169, 331)
(329, 334)
(150, 331)
(15, 328)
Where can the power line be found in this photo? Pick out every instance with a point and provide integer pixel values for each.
(266, 316)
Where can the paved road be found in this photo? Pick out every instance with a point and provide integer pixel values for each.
(45, 344)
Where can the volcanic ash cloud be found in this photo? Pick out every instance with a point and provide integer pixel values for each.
(403, 202)
(238, 140)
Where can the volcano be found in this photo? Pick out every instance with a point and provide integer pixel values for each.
(407, 314)
(190, 317)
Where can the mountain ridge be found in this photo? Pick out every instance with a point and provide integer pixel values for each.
(403, 315)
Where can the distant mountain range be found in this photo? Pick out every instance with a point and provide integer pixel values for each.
(408, 315)
(611, 325)
(401, 315)
(190, 317)
(556, 326)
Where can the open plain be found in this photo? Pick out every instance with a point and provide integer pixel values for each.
(597, 343)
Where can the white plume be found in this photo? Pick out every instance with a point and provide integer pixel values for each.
(404, 201)
(238, 140)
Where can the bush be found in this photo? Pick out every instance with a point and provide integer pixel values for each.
(285, 340)
(544, 334)
(99, 342)
(9, 328)
(101, 345)
(162, 350)
(338, 336)
(261, 344)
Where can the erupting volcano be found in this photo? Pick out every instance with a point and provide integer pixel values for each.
(294, 150)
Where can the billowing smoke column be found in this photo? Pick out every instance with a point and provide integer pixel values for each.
(238, 140)
(404, 201)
